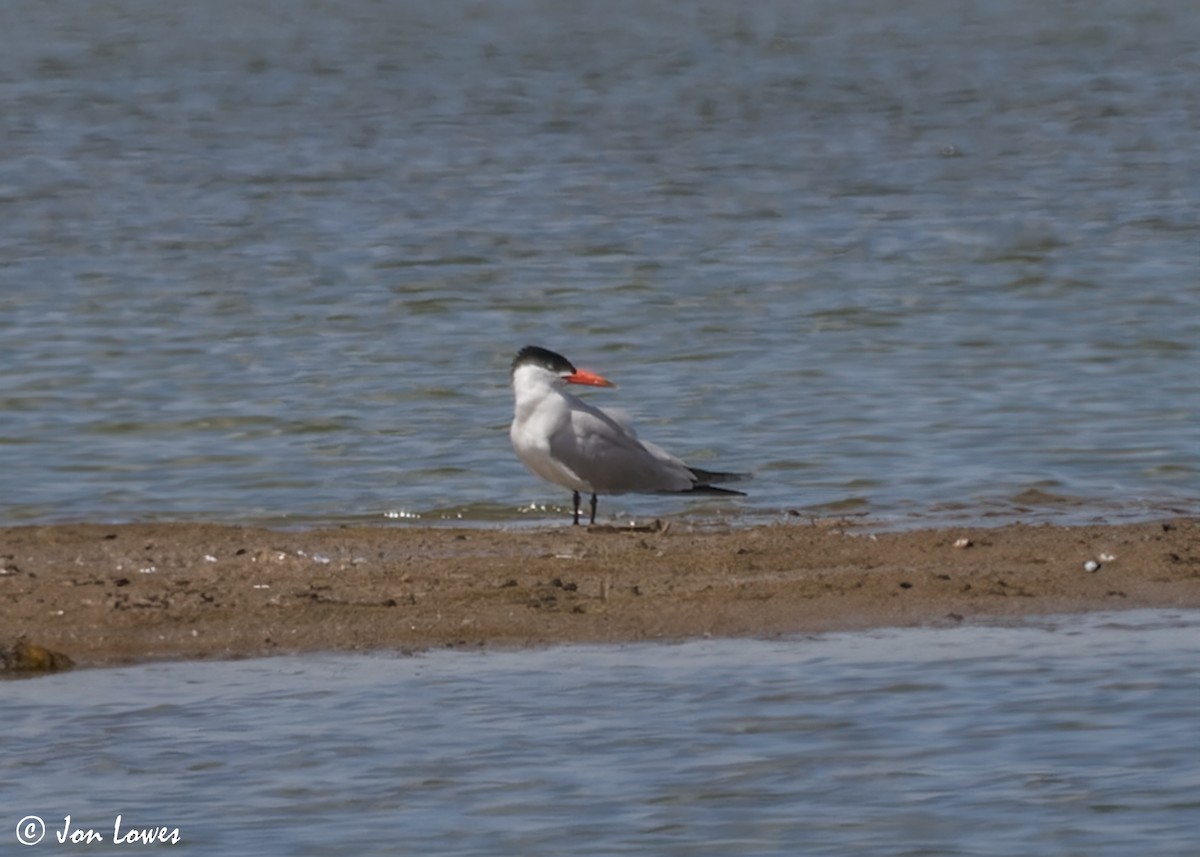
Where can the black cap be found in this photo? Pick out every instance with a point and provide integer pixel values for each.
(544, 357)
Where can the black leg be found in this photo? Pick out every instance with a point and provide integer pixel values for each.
(593, 508)
(577, 508)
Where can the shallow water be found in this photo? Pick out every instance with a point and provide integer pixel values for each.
(1057, 736)
(922, 261)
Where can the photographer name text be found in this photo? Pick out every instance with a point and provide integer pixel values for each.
(32, 829)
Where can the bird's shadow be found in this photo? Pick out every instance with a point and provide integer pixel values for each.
(655, 526)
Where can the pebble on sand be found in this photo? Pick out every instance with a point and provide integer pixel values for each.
(25, 657)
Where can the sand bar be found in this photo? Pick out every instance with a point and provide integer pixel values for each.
(114, 594)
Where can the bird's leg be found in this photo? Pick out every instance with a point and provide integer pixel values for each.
(577, 508)
(593, 509)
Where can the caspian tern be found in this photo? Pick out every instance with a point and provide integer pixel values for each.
(564, 440)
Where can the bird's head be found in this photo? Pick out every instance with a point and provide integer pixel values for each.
(534, 364)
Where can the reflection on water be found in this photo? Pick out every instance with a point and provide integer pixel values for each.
(1068, 735)
(263, 266)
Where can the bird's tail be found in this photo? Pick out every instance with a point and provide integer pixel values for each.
(706, 481)
(712, 489)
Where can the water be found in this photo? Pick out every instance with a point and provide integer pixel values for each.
(1065, 736)
(262, 262)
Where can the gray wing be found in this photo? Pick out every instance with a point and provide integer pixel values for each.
(603, 451)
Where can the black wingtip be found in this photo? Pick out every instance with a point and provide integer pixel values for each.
(710, 477)
(713, 489)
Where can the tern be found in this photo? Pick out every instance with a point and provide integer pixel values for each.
(564, 440)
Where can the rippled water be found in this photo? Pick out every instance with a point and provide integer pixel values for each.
(1064, 736)
(918, 259)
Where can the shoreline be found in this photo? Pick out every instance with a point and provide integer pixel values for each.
(105, 595)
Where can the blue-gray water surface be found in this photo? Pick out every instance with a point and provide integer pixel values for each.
(1061, 736)
(268, 262)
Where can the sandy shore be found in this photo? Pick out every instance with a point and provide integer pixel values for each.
(102, 594)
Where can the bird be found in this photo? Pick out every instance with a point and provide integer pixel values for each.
(566, 441)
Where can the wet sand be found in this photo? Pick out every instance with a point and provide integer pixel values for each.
(103, 595)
